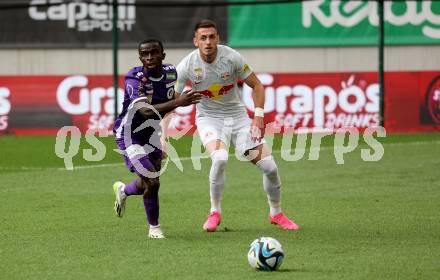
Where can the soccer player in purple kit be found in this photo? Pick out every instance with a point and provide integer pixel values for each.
(149, 96)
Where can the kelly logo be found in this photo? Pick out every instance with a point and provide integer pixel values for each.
(422, 14)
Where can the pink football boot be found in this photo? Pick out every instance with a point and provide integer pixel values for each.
(212, 222)
(283, 222)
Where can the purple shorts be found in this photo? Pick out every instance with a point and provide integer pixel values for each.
(145, 165)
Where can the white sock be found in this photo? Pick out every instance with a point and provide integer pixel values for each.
(271, 183)
(217, 178)
(216, 205)
(275, 208)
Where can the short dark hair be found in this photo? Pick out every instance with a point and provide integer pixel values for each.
(148, 41)
(205, 23)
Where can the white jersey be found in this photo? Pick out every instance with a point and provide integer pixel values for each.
(216, 80)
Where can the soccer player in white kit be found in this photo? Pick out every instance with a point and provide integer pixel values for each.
(221, 118)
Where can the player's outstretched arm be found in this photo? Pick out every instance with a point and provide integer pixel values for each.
(257, 126)
(163, 108)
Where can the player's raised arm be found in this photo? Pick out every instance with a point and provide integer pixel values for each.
(257, 127)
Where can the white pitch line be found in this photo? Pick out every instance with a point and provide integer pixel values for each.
(232, 154)
(121, 164)
(82, 167)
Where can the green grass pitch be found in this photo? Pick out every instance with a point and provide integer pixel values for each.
(360, 220)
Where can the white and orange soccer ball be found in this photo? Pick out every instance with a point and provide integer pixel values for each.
(265, 253)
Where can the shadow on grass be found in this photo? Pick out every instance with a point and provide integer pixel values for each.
(281, 270)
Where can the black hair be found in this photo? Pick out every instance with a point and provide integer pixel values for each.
(148, 41)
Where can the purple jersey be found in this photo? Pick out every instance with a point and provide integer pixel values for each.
(139, 86)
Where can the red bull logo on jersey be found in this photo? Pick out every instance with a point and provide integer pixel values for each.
(216, 91)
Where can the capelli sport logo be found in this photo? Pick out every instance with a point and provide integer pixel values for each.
(93, 15)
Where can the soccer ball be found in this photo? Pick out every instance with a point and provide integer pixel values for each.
(265, 253)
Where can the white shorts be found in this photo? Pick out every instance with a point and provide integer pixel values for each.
(229, 130)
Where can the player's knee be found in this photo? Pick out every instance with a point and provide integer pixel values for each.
(142, 185)
(219, 159)
(154, 184)
(152, 191)
(151, 187)
(268, 166)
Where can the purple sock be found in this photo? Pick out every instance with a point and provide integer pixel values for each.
(151, 205)
(131, 189)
